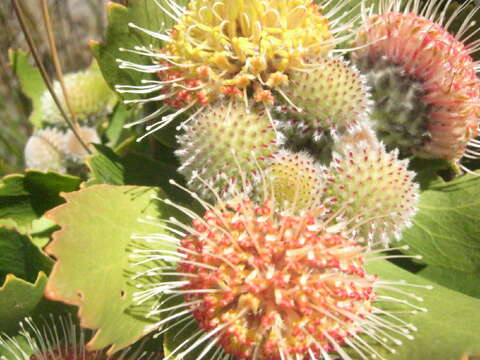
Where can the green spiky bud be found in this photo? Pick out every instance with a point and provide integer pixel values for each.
(330, 95)
(296, 179)
(42, 151)
(372, 186)
(88, 94)
(224, 143)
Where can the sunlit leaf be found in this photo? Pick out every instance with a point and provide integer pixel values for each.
(94, 269)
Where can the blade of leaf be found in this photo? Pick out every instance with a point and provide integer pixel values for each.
(93, 268)
(450, 327)
(20, 257)
(134, 169)
(31, 82)
(143, 13)
(468, 284)
(25, 197)
(445, 231)
(18, 298)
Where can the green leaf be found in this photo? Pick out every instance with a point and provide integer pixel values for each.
(450, 327)
(31, 82)
(19, 340)
(466, 283)
(41, 232)
(445, 230)
(168, 135)
(144, 13)
(427, 171)
(142, 170)
(18, 298)
(93, 269)
(107, 167)
(20, 257)
(26, 197)
(120, 117)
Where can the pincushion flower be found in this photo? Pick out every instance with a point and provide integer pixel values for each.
(231, 48)
(267, 282)
(424, 81)
(58, 338)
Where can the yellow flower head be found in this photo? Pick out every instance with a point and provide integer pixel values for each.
(230, 47)
(239, 42)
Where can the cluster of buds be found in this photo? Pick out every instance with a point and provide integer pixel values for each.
(52, 149)
(264, 280)
(222, 141)
(54, 146)
(275, 267)
(331, 95)
(283, 285)
(222, 49)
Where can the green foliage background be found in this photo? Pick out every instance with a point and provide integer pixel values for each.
(95, 212)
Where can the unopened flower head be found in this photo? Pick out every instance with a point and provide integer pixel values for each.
(58, 338)
(231, 48)
(264, 281)
(223, 142)
(51, 149)
(296, 179)
(73, 149)
(88, 94)
(331, 95)
(425, 87)
(42, 151)
(372, 186)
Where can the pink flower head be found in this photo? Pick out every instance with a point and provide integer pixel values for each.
(270, 283)
(418, 43)
(288, 289)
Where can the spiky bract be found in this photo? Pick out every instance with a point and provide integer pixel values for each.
(372, 186)
(58, 338)
(331, 95)
(416, 41)
(88, 94)
(281, 285)
(222, 142)
(295, 179)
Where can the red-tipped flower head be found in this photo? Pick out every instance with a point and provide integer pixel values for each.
(424, 82)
